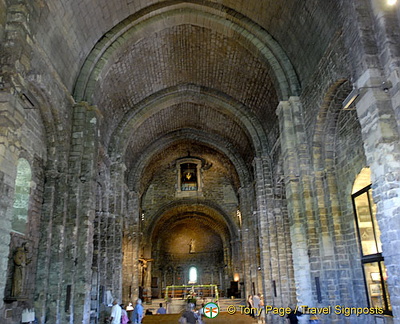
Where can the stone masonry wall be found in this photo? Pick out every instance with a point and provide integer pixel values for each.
(162, 190)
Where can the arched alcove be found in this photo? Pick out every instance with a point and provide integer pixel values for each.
(368, 233)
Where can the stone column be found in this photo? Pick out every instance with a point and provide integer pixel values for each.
(380, 134)
(274, 240)
(130, 282)
(296, 163)
(268, 255)
(248, 248)
(117, 212)
(66, 247)
(81, 209)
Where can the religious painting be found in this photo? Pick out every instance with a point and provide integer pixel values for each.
(189, 177)
(364, 214)
(375, 289)
(367, 234)
(375, 276)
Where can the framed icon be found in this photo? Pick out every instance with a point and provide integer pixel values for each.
(375, 290)
(375, 276)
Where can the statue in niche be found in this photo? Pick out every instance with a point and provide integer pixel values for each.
(143, 263)
(20, 262)
(191, 246)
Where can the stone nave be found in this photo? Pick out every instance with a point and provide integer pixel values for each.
(252, 145)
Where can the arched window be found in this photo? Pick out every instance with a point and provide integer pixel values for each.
(21, 196)
(370, 243)
(192, 275)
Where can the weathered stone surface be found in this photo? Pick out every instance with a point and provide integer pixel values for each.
(102, 98)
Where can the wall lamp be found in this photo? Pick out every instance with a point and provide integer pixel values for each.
(28, 100)
(346, 105)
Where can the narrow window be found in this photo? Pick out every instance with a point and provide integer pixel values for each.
(21, 196)
(371, 250)
(192, 275)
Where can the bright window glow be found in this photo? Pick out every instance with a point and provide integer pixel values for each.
(192, 275)
(22, 195)
(392, 2)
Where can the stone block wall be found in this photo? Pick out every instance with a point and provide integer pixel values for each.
(162, 190)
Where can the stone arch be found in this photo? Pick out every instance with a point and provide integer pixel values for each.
(211, 208)
(333, 213)
(212, 141)
(326, 123)
(183, 93)
(210, 227)
(154, 17)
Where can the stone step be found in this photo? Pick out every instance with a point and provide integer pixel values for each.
(177, 306)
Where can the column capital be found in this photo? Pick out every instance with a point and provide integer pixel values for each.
(293, 101)
(84, 105)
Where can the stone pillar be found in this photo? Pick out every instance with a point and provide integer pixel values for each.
(380, 134)
(66, 247)
(82, 205)
(274, 240)
(249, 248)
(296, 164)
(117, 212)
(268, 255)
(130, 282)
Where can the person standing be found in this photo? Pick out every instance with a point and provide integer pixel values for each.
(199, 315)
(124, 315)
(250, 305)
(256, 304)
(116, 312)
(137, 314)
(189, 316)
(262, 304)
(292, 316)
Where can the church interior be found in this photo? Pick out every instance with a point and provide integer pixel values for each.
(248, 147)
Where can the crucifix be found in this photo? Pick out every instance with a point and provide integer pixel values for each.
(143, 262)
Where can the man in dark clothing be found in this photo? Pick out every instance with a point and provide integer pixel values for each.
(189, 315)
(292, 316)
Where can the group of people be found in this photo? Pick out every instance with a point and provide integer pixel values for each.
(120, 316)
(256, 302)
